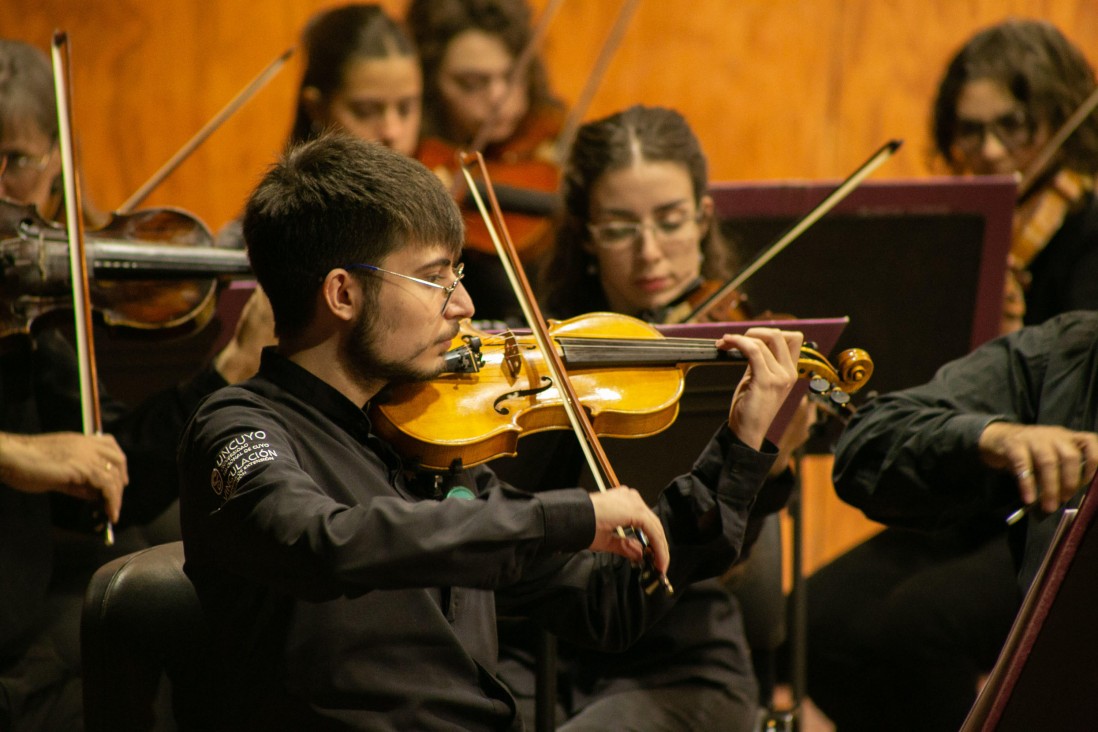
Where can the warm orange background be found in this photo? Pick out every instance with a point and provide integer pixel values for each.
(776, 89)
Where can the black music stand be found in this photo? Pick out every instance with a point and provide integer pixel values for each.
(1046, 677)
(918, 265)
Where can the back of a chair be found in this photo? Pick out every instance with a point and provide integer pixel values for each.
(1046, 676)
(142, 621)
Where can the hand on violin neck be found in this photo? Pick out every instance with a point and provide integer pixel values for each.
(624, 507)
(772, 356)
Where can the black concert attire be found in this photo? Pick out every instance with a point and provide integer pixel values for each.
(344, 595)
(692, 670)
(901, 627)
(47, 551)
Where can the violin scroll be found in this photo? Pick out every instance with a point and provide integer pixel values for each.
(855, 369)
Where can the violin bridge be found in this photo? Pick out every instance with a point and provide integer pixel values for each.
(512, 360)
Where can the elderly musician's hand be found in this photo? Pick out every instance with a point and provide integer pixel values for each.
(1050, 463)
(624, 507)
(772, 356)
(90, 467)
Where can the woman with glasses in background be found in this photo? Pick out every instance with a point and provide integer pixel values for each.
(638, 237)
(1003, 97)
(475, 96)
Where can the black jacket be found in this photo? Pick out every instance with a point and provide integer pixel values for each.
(344, 597)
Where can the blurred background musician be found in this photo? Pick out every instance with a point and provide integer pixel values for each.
(469, 50)
(636, 236)
(1003, 96)
(928, 609)
(1010, 424)
(362, 76)
(47, 552)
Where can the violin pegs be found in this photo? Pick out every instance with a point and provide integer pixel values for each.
(839, 398)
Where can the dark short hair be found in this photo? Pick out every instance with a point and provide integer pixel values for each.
(1041, 68)
(434, 23)
(332, 40)
(26, 88)
(334, 201)
(650, 134)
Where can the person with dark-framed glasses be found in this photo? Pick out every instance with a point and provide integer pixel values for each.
(1003, 97)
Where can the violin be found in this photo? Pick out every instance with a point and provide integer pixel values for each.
(1044, 199)
(155, 269)
(627, 376)
(728, 307)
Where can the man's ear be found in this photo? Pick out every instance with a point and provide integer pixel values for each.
(341, 295)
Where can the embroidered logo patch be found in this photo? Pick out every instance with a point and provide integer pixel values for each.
(236, 458)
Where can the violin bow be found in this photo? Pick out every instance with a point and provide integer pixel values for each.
(597, 460)
(207, 129)
(833, 199)
(1044, 157)
(78, 263)
(606, 53)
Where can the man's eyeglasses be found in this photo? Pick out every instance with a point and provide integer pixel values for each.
(459, 272)
(19, 167)
(1013, 130)
(617, 235)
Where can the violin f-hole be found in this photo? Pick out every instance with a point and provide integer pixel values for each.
(546, 383)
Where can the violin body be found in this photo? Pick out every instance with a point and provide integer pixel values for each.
(476, 417)
(141, 267)
(627, 375)
(731, 307)
(1038, 216)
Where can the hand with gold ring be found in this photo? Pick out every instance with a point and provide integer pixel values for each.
(1050, 463)
(90, 467)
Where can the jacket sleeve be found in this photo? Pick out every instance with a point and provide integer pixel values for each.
(148, 433)
(277, 524)
(704, 514)
(911, 458)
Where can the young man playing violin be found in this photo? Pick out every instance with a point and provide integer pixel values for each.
(342, 589)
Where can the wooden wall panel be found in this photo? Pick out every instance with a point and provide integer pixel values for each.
(792, 89)
(776, 89)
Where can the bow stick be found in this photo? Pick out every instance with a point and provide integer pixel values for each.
(78, 263)
(208, 129)
(1048, 152)
(600, 466)
(609, 48)
(832, 200)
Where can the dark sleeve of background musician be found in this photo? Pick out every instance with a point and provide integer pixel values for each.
(148, 433)
(911, 458)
